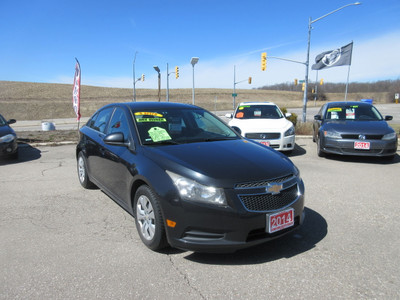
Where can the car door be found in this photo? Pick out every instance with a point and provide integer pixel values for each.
(95, 146)
(118, 161)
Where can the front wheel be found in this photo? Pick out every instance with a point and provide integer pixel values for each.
(148, 219)
(319, 150)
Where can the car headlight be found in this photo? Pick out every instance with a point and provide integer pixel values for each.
(290, 131)
(332, 134)
(194, 191)
(389, 136)
(7, 138)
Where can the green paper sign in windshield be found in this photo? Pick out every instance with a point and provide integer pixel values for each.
(159, 134)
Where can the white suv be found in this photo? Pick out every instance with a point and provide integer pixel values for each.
(265, 123)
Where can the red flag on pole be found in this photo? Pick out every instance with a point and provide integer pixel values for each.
(76, 94)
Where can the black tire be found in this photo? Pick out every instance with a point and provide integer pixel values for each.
(148, 219)
(82, 172)
(320, 153)
(15, 155)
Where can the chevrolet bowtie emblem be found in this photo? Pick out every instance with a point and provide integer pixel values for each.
(274, 188)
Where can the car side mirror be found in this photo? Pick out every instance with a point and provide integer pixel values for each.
(229, 116)
(318, 117)
(388, 118)
(116, 139)
(288, 115)
(11, 121)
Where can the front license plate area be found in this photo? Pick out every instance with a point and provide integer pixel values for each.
(281, 220)
(265, 143)
(362, 145)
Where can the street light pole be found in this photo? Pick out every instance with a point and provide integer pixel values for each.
(159, 82)
(308, 54)
(193, 61)
(167, 98)
(134, 79)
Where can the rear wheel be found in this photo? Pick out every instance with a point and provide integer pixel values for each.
(148, 219)
(82, 172)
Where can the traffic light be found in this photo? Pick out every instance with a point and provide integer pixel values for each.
(295, 81)
(321, 82)
(142, 78)
(303, 87)
(263, 61)
(176, 72)
(249, 80)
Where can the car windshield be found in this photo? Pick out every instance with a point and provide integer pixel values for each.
(353, 113)
(258, 112)
(179, 126)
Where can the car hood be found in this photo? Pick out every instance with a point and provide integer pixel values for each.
(261, 125)
(359, 127)
(222, 163)
(4, 130)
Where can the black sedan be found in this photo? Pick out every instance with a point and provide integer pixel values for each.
(189, 180)
(353, 128)
(8, 139)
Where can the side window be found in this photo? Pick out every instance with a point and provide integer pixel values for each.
(90, 123)
(100, 123)
(119, 123)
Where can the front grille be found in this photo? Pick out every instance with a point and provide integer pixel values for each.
(367, 136)
(263, 135)
(262, 182)
(268, 202)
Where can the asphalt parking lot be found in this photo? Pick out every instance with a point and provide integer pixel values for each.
(59, 241)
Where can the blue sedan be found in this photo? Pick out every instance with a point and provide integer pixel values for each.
(353, 128)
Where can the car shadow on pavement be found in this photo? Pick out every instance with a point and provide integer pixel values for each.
(365, 159)
(297, 151)
(25, 153)
(313, 230)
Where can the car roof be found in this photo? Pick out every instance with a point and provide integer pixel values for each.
(153, 105)
(346, 103)
(256, 103)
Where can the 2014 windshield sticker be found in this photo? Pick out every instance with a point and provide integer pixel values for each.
(148, 113)
(159, 134)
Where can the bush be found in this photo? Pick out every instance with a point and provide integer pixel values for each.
(292, 118)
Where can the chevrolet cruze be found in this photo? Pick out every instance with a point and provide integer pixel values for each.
(188, 179)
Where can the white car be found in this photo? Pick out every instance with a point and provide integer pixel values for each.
(265, 123)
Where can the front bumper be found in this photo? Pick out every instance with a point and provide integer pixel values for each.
(8, 149)
(206, 228)
(286, 143)
(346, 147)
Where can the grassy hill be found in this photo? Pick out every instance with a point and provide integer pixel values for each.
(41, 101)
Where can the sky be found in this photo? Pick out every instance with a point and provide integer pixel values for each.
(40, 40)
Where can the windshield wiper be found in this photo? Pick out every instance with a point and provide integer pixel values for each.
(166, 142)
(225, 138)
